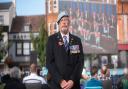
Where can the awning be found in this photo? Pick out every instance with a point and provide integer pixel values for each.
(123, 46)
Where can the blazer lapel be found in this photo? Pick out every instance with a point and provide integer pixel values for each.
(60, 41)
(70, 39)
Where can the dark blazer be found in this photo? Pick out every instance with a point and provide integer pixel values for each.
(14, 83)
(61, 64)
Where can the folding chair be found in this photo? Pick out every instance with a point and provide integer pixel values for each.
(96, 87)
(33, 85)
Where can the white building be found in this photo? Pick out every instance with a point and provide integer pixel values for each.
(21, 47)
(7, 13)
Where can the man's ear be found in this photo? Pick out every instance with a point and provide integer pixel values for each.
(69, 22)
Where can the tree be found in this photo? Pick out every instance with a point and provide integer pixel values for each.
(1, 30)
(39, 43)
(4, 45)
(1, 48)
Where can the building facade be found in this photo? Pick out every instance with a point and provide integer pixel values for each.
(17, 32)
(52, 10)
(21, 47)
(122, 29)
(7, 14)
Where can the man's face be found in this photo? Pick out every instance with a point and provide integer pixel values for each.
(64, 25)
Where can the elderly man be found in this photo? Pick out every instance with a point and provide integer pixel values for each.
(64, 56)
(14, 81)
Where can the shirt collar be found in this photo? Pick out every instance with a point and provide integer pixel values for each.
(67, 35)
(33, 74)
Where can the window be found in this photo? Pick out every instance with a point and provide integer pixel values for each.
(32, 48)
(49, 6)
(124, 0)
(55, 5)
(23, 48)
(19, 49)
(1, 20)
(55, 27)
(14, 36)
(49, 28)
(122, 28)
(26, 48)
(27, 28)
(55, 2)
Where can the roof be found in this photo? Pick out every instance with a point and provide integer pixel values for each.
(6, 5)
(20, 21)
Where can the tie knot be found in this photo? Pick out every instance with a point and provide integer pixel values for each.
(65, 37)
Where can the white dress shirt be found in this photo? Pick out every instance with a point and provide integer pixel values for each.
(34, 78)
(67, 35)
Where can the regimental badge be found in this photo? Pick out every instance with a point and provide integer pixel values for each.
(60, 43)
(71, 40)
(74, 49)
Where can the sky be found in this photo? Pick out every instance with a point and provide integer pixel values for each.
(29, 7)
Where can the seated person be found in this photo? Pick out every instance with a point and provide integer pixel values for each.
(33, 77)
(84, 77)
(84, 74)
(105, 72)
(14, 81)
(93, 82)
(122, 82)
(34, 81)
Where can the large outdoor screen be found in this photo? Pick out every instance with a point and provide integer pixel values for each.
(94, 22)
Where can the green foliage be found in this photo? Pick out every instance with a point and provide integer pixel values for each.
(1, 56)
(1, 36)
(2, 86)
(39, 44)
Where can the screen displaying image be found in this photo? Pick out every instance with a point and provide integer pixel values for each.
(95, 23)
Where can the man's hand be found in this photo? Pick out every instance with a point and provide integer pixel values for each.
(69, 85)
(63, 84)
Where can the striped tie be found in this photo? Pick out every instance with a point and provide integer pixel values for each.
(66, 43)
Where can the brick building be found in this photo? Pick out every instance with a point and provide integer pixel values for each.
(122, 29)
(51, 15)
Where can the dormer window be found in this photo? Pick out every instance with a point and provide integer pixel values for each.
(27, 28)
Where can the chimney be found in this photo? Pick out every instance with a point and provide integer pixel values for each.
(14, 8)
(14, 3)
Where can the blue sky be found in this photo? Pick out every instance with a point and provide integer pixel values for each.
(29, 7)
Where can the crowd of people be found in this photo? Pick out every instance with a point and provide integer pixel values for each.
(103, 79)
(15, 80)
